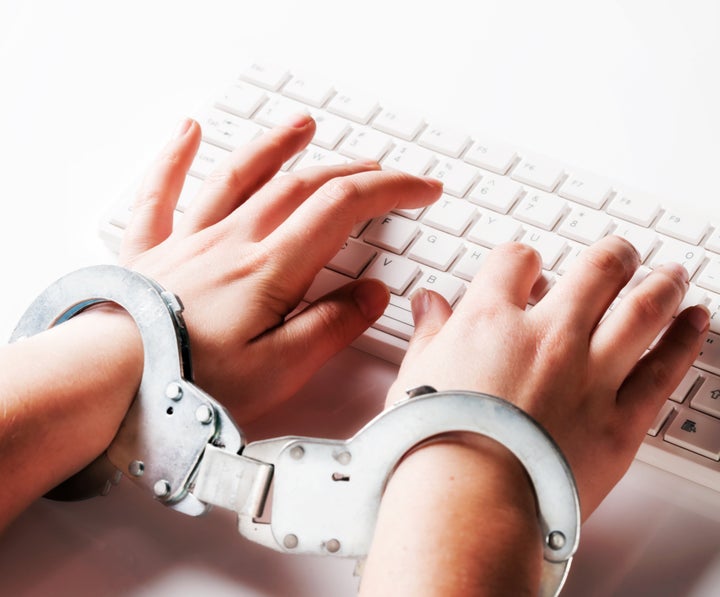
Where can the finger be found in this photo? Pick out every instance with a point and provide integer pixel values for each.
(246, 170)
(317, 229)
(582, 296)
(331, 323)
(662, 369)
(620, 340)
(152, 213)
(271, 205)
(430, 312)
(507, 275)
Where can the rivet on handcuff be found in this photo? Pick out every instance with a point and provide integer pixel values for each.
(183, 447)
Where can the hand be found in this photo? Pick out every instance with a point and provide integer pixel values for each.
(248, 248)
(582, 377)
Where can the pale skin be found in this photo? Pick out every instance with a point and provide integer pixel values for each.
(233, 261)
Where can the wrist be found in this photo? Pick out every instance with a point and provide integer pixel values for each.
(471, 495)
(69, 391)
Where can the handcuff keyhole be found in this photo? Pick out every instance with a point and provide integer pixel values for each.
(340, 477)
(170, 410)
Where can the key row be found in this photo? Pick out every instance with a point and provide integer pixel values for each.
(227, 130)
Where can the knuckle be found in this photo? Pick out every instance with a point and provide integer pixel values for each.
(290, 185)
(613, 263)
(224, 179)
(340, 190)
(650, 306)
(336, 329)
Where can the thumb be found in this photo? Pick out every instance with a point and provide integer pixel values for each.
(307, 340)
(430, 312)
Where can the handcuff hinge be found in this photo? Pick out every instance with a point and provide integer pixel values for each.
(233, 481)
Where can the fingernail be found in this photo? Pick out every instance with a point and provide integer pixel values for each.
(371, 297)
(296, 120)
(182, 127)
(419, 303)
(367, 164)
(434, 182)
(699, 318)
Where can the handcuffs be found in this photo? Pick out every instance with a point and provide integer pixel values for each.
(292, 494)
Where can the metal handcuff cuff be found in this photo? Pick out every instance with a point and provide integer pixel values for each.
(182, 446)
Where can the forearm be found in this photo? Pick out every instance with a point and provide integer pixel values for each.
(63, 394)
(457, 518)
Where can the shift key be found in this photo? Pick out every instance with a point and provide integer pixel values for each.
(696, 432)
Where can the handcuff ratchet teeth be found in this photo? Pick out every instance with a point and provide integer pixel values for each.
(292, 494)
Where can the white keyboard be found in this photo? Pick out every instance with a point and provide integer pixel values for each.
(493, 193)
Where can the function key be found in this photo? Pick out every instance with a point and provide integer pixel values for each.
(265, 75)
(495, 157)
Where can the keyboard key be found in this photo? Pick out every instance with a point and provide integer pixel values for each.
(572, 255)
(355, 106)
(492, 229)
(496, 192)
(540, 209)
(329, 129)
(707, 398)
(447, 286)
(457, 177)
(693, 296)
(643, 239)
(714, 307)
(241, 99)
(396, 272)
(688, 382)
(586, 225)
(392, 233)
(277, 110)
(469, 264)
(317, 156)
(450, 215)
(401, 124)
(190, 189)
(393, 322)
(435, 249)
(495, 157)
(366, 143)
(411, 213)
(325, 281)
(548, 244)
(308, 91)
(588, 190)
(207, 159)
(352, 259)
(696, 432)
(710, 276)
(665, 411)
(683, 227)
(542, 286)
(674, 251)
(634, 208)
(265, 75)
(713, 241)
(709, 357)
(409, 158)
(446, 141)
(539, 173)
(226, 130)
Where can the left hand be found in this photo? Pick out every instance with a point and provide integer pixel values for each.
(246, 251)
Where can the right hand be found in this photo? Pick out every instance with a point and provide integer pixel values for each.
(584, 378)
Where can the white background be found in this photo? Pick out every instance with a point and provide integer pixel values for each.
(89, 92)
